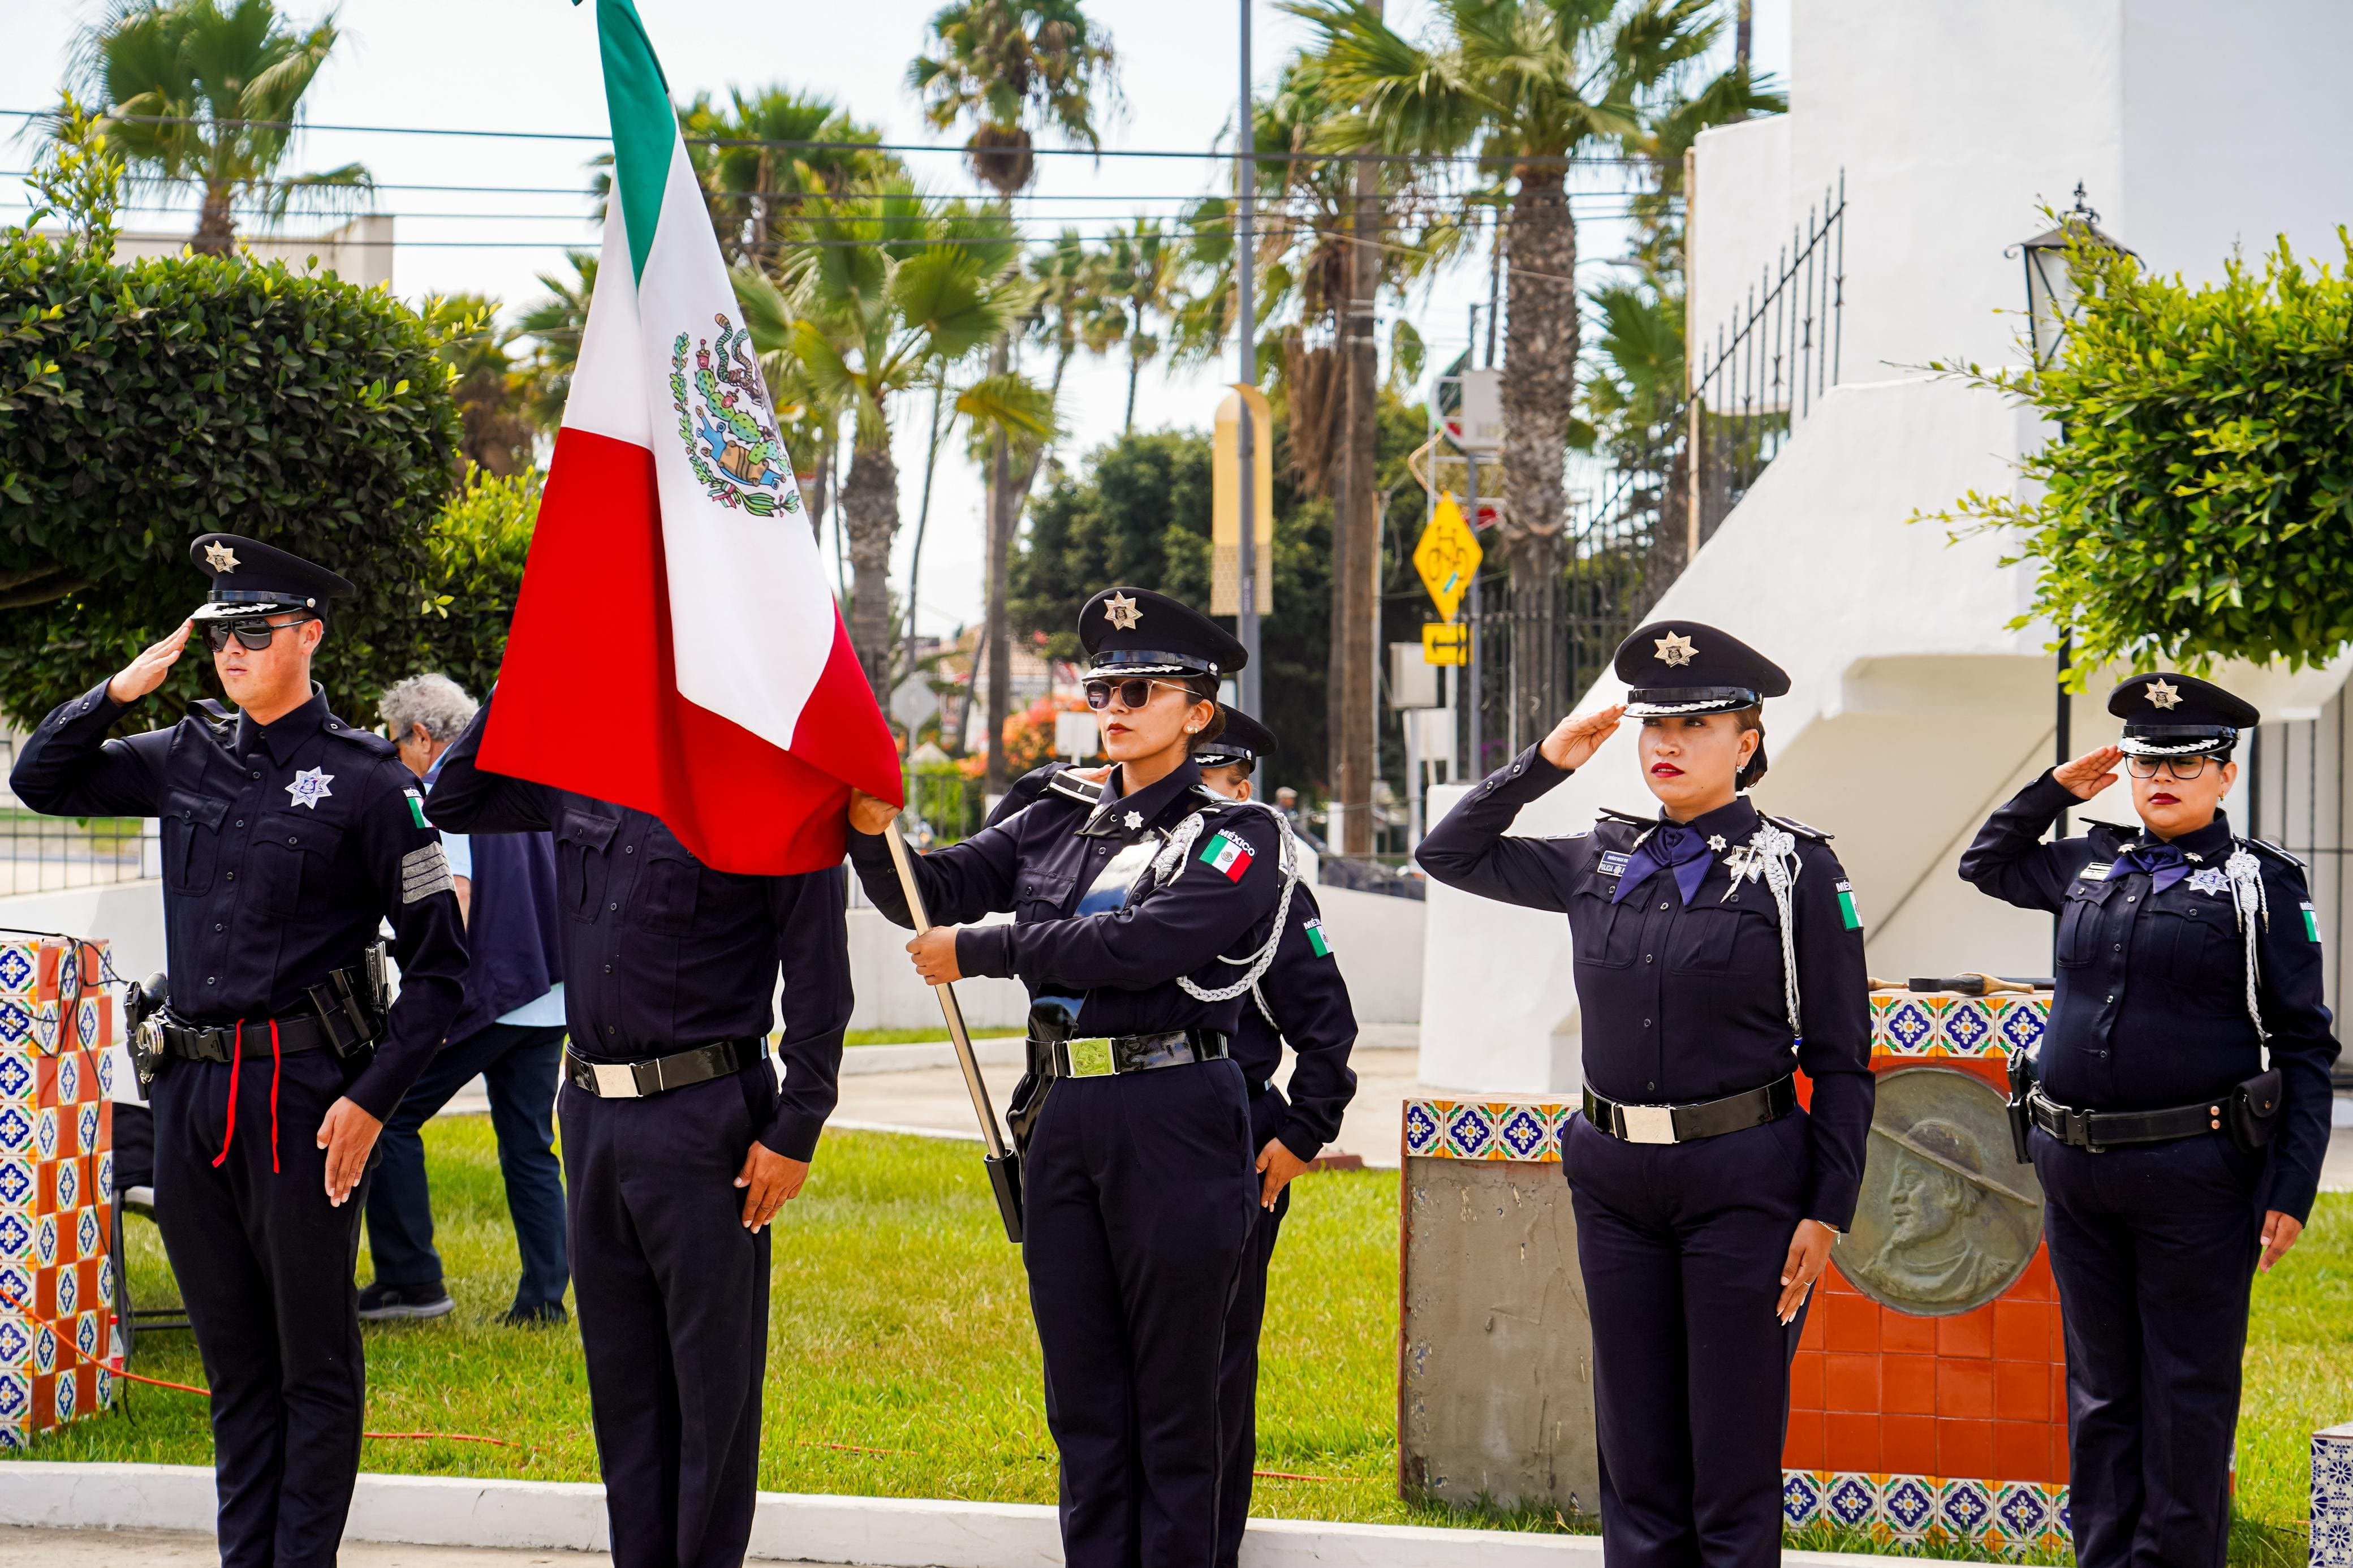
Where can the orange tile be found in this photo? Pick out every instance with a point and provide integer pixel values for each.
(1851, 1382)
(1851, 1442)
(1965, 1449)
(1810, 1336)
(1854, 1324)
(1803, 1449)
(2021, 1392)
(2059, 1456)
(2021, 1451)
(2035, 1284)
(2021, 1330)
(1971, 1334)
(1902, 1332)
(1806, 1381)
(1907, 1384)
(1908, 1444)
(1965, 1390)
(2059, 1397)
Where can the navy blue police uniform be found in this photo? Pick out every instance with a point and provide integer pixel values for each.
(1304, 999)
(285, 846)
(1138, 1191)
(2158, 1130)
(669, 968)
(1712, 958)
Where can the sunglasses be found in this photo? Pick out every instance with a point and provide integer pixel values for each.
(2182, 768)
(1134, 692)
(255, 633)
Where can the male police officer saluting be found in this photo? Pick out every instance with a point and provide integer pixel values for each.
(678, 1147)
(287, 835)
(1300, 998)
(2171, 1153)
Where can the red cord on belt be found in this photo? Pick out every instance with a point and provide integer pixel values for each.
(277, 1065)
(229, 1128)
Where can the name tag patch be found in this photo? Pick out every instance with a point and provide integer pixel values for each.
(1321, 948)
(1613, 862)
(1846, 907)
(2097, 871)
(1229, 854)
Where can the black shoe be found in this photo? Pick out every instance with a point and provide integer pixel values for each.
(546, 1315)
(382, 1303)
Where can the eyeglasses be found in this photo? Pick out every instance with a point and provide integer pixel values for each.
(1134, 692)
(2183, 769)
(255, 633)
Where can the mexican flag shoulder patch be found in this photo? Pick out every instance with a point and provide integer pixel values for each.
(1317, 942)
(1228, 853)
(2311, 924)
(416, 808)
(1847, 910)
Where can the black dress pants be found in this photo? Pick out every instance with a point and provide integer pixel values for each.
(671, 1293)
(1138, 1202)
(2154, 1249)
(1238, 1368)
(1681, 1246)
(264, 1263)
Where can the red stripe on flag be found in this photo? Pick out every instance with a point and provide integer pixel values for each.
(588, 697)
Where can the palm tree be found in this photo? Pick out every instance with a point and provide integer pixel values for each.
(759, 192)
(1525, 84)
(206, 93)
(1141, 271)
(489, 388)
(1006, 64)
(554, 325)
(926, 285)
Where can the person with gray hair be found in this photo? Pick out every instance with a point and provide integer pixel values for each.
(511, 1032)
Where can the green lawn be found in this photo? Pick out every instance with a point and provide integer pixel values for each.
(901, 1362)
(931, 1035)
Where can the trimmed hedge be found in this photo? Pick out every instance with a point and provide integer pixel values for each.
(142, 404)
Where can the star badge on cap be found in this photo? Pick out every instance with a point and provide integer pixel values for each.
(220, 557)
(310, 786)
(1120, 612)
(1675, 649)
(1135, 819)
(2164, 693)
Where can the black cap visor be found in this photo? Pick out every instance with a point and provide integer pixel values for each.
(1661, 702)
(1147, 662)
(2176, 740)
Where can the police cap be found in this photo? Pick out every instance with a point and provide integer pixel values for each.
(1687, 666)
(250, 578)
(2172, 715)
(1243, 740)
(1134, 631)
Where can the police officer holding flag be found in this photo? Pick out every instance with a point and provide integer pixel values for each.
(287, 837)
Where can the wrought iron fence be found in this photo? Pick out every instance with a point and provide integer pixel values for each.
(52, 853)
(1538, 642)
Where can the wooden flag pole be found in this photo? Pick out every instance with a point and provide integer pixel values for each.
(1004, 1165)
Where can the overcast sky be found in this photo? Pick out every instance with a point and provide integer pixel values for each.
(531, 66)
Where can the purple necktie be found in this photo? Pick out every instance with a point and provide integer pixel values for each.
(1670, 846)
(2163, 862)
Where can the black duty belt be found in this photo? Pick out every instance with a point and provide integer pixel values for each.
(1683, 1124)
(2104, 1129)
(636, 1080)
(218, 1042)
(1101, 1055)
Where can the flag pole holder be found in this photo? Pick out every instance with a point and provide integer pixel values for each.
(1004, 1165)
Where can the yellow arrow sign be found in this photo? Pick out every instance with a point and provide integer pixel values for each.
(1448, 555)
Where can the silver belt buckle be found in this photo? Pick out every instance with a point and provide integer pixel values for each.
(613, 1080)
(1090, 1058)
(1648, 1123)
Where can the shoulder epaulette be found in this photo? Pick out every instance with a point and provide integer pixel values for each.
(1802, 830)
(366, 740)
(1628, 818)
(208, 712)
(2277, 853)
(1074, 788)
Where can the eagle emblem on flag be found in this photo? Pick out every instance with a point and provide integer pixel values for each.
(723, 419)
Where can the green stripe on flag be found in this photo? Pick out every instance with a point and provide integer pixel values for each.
(645, 126)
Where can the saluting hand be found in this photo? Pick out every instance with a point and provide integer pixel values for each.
(868, 815)
(1573, 739)
(769, 1180)
(347, 1133)
(2090, 774)
(145, 673)
(1809, 1254)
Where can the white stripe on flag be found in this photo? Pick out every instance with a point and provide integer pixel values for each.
(608, 396)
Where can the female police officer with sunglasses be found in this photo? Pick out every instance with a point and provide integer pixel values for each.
(2172, 1154)
(1140, 920)
(1717, 950)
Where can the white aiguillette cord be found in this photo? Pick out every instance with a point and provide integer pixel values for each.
(903, 861)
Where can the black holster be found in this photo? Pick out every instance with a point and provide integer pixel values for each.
(2021, 1079)
(143, 1023)
(351, 1005)
(2254, 1107)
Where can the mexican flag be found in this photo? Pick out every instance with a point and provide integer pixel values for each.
(675, 647)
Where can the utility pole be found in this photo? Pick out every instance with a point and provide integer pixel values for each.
(1355, 525)
(1246, 335)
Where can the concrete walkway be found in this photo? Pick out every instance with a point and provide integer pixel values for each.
(25, 1547)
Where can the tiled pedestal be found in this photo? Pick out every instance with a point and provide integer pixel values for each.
(57, 1186)
(2332, 1498)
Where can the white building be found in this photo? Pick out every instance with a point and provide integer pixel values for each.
(358, 252)
(1914, 710)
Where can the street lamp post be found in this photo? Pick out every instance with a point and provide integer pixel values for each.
(1246, 334)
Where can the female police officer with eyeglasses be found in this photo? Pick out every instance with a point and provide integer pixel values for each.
(1717, 951)
(2172, 1153)
(1140, 920)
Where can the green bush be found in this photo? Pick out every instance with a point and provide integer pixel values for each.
(479, 544)
(2196, 507)
(142, 404)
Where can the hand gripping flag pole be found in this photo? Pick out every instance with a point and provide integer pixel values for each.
(1004, 1165)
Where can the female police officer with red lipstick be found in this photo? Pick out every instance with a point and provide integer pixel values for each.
(1717, 953)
